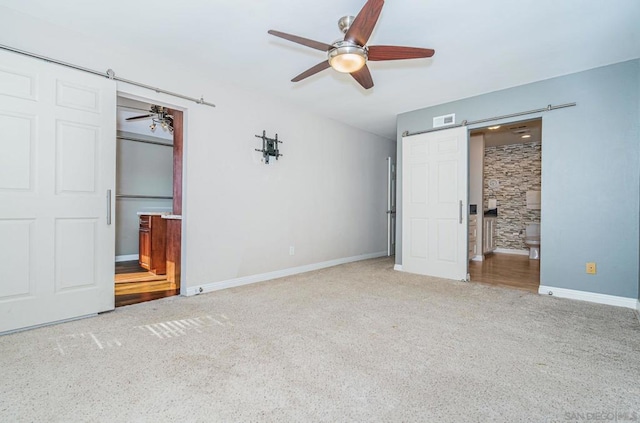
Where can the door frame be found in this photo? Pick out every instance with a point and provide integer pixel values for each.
(505, 122)
(391, 206)
(179, 157)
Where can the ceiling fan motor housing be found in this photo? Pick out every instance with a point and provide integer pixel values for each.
(344, 23)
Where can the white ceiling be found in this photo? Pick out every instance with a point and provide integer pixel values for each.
(481, 46)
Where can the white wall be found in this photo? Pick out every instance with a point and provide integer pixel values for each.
(326, 196)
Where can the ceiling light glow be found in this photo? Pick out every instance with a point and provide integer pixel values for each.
(347, 57)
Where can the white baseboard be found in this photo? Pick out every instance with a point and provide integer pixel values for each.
(130, 257)
(397, 267)
(246, 280)
(591, 297)
(477, 258)
(509, 251)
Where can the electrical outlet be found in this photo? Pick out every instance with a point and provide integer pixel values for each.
(591, 268)
(292, 250)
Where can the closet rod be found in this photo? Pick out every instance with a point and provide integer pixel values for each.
(149, 197)
(473, 122)
(108, 74)
(145, 141)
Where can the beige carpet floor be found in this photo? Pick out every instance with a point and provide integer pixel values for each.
(358, 342)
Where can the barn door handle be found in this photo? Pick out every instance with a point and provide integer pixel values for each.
(461, 212)
(108, 207)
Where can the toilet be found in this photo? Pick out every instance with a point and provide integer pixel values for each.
(532, 240)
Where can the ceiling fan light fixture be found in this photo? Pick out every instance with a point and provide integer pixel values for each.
(347, 57)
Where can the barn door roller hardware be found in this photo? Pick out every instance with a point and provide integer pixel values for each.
(549, 108)
(108, 74)
(269, 147)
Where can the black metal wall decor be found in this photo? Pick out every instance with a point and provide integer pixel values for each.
(269, 147)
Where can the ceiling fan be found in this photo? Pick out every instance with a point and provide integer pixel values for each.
(351, 54)
(158, 115)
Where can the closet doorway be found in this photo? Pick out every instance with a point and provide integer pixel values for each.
(148, 201)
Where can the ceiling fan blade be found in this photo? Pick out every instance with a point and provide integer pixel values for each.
(363, 25)
(312, 71)
(304, 41)
(378, 53)
(140, 117)
(363, 76)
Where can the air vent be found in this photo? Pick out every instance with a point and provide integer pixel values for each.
(444, 120)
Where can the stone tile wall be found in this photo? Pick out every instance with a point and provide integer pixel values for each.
(517, 168)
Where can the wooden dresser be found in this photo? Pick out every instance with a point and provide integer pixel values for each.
(153, 239)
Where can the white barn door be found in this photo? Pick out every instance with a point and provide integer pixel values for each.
(57, 163)
(434, 203)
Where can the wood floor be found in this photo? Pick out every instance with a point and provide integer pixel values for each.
(135, 284)
(510, 270)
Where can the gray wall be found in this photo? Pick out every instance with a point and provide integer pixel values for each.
(590, 172)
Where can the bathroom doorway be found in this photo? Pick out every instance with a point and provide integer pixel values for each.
(505, 164)
(148, 201)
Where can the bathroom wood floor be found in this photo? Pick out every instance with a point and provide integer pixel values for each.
(135, 284)
(509, 270)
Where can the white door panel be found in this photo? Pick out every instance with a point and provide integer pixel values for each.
(57, 161)
(434, 198)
